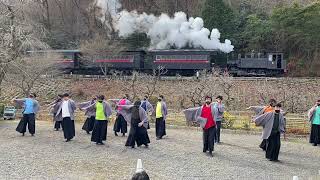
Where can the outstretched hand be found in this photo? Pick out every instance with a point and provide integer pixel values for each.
(140, 124)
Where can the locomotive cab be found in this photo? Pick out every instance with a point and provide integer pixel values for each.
(258, 64)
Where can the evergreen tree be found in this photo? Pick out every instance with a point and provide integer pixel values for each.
(216, 14)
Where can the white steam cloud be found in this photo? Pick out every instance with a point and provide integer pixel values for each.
(111, 6)
(167, 32)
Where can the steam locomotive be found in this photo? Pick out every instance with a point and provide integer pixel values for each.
(182, 61)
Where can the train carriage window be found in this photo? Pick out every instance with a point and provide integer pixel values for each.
(270, 57)
(67, 56)
(274, 58)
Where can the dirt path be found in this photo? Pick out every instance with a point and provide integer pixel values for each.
(178, 156)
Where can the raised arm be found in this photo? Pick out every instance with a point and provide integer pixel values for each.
(73, 105)
(53, 103)
(256, 109)
(220, 108)
(107, 109)
(143, 117)
(19, 102)
(115, 101)
(262, 119)
(84, 105)
(190, 114)
(125, 107)
(149, 107)
(165, 110)
(36, 106)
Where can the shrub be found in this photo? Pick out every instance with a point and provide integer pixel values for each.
(228, 120)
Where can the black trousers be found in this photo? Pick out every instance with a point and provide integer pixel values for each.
(89, 124)
(263, 145)
(99, 132)
(315, 134)
(208, 139)
(27, 119)
(120, 125)
(138, 135)
(68, 128)
(273, 146)
(58, 124)
(217, 137)
(160, 127)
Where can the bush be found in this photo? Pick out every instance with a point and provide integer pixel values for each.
(228, 120)
(297, 131)
(246, 125)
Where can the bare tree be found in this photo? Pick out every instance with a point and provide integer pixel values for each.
(226, 83)
(17, 34)
(31, 70)
(154, 79)
(98, 48)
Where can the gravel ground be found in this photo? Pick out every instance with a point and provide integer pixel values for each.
(177, 156)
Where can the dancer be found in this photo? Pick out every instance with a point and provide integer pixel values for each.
(66, 109)
(137, 117)
(220, 108)
(259, 110)
(314, 118)
(120, 123)
(90, 121)
(205, 116)
(54, 108)
(147, 106)
(30, 109)
(102, 111)
(273, 125)
(161, 116)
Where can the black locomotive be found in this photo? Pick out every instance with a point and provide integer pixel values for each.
(182, 61)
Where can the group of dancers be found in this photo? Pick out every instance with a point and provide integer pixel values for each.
(209, 116)
(98, 112)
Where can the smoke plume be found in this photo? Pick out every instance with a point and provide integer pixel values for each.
(110, 6)
(166, 32)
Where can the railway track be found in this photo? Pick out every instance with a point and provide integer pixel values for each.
(188, 78)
